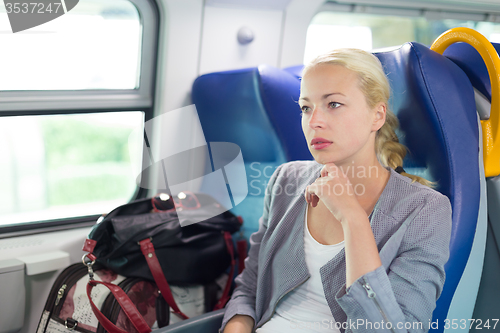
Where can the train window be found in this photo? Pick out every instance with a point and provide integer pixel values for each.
(96, 45)
(371, 27)
(72, 91)
(57, 166)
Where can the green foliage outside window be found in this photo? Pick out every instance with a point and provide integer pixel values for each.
(85, 162)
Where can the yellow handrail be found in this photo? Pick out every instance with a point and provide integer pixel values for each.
(491, 135)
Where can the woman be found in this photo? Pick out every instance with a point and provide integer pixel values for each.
(345, 243)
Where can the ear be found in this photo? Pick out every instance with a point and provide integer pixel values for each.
(379, 116)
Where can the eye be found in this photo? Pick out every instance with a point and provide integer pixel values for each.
(305, 108)
(334, 105)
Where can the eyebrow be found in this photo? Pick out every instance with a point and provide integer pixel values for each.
(325, 96)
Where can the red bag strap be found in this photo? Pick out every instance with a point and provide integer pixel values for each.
(225, 295)
(148, 250)
(126, 304)
(242, 247)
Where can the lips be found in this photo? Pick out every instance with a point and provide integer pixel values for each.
(320, 143)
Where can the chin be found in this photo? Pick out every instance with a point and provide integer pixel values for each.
(322, 159)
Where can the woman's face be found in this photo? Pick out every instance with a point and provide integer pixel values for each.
(338, 124)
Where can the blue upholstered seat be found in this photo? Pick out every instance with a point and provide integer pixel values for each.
(434, 100)
(470, 61)
(257, 109)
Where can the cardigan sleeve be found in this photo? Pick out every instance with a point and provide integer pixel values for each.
(242, 301)
(403, 295)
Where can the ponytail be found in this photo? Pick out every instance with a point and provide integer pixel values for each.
(390, 152)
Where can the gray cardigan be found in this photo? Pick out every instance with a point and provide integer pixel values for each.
(412, 226)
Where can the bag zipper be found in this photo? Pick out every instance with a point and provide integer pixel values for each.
(371, 294)
(60, 293)
(61, 281)
(50, 305)
(77, 274)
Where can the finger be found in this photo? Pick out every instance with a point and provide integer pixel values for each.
(324, 171)
(307, 195)
(310, 195)
(327, 168)
(315, 200)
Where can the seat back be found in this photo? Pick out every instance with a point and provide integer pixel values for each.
(255, 108)
(434, 102)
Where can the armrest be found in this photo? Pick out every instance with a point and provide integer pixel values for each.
(206, 323)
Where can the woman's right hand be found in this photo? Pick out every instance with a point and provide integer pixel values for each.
(239, 324)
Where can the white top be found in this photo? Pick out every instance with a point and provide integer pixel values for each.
(305, 309)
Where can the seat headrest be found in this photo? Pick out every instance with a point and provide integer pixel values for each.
(280, 92)
(470, 61)
(230, 109)
(257, 109)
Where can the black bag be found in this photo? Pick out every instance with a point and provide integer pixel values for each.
(194, 254)
(144, 239)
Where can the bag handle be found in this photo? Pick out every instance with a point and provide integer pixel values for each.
(242, 247)
(126, 304)
(148, 250)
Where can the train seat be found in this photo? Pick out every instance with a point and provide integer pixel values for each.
(434, 102)
(470, 61)
(256, 109)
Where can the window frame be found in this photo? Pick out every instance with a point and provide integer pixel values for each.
(52, 102)
(440, 10)
(411, 9)
(434, 9)
(17, 101)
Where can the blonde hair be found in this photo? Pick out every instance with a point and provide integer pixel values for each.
(375, 86)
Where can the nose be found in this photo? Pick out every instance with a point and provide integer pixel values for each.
(317, 119)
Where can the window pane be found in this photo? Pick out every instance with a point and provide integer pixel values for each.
(60, 166)
(96, 45)
(330, 30)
